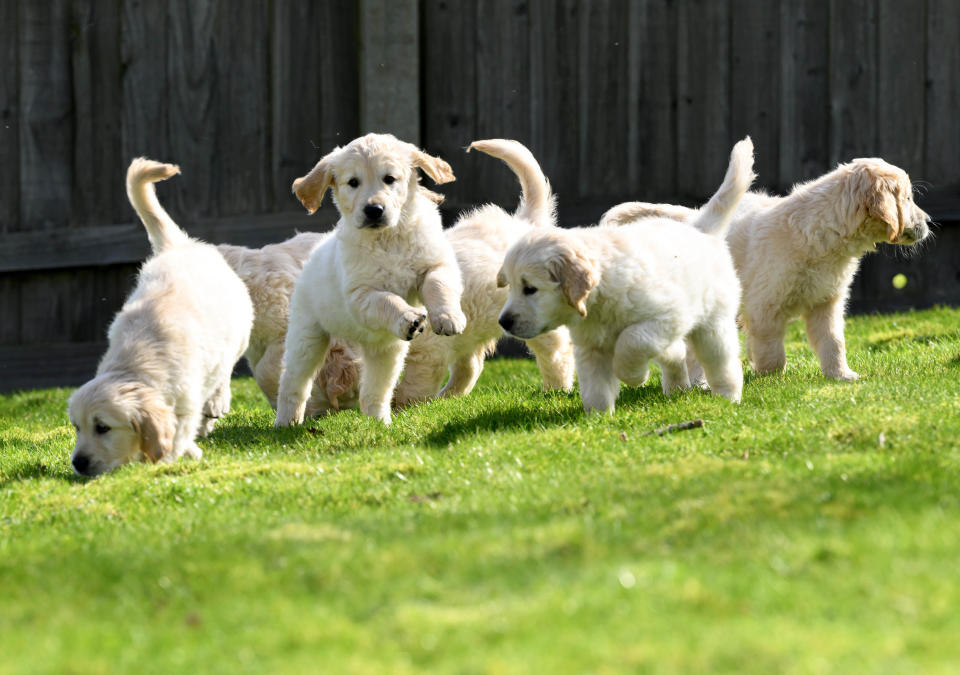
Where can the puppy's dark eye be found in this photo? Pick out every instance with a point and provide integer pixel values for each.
(389, 180)
(101, 428)
(353, 182)
(529, 290)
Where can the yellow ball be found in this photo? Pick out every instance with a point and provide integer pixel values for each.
(899, 280)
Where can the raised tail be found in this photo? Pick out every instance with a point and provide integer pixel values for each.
(161, 230)
(715, 216)
(537, 203)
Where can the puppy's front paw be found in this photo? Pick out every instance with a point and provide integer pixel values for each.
(411, 324)
(844, 375)
(448, 323)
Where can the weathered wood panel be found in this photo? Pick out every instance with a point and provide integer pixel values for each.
(243, 115)
(9, 119)
(98, 167)
(804, 101)
(9, 310)
(703, 87)
(450, 110)
(315, 104)
(942, 130)
(853, 79)
(46, 123)
(755, 82)
(144, 42)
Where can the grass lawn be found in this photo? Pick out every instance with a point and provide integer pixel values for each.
(507, 532)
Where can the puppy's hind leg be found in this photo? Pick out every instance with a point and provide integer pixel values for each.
(717, 347)
(599, 386)
(381, 368)
(554, 353)
(464, 373)
(765, 344)
(673, 366)
(216, 407)
(640, 343)
(306, 347)
(825, 332)
(423, 372)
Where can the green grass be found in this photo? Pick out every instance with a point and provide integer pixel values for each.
(507, 532)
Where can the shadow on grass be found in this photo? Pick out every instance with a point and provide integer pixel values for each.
(33, 469)
(954, 362)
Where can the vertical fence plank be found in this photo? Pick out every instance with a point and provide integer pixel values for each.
(656, 123)
(194, 105)
(449, 110)
(604, 114)
(503, 90)
(853, 79)
(9, 309)
(46, 126)
(755, 82)
(315, 91)
(56, 307)
(554, 83)
(243, 147)
(942, 162)
(146, 95)
(9, 118)
(804, 111)
(900, 84)
(703, 84)
(98, 167)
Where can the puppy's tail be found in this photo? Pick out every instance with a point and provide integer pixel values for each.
(537, 203)
(628, 212)
(161, 230)
(716, 215)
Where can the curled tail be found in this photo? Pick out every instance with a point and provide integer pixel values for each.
(161, 230)
(537, 203)
(715, 216)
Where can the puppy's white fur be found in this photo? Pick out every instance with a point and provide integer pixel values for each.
(635, 293)
(480, 240)
(796, 256)
(165, 377)
(270, 273)
(387, 253)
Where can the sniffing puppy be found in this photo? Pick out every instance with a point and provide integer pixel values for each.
(165, 377)
(386, 254)
(796, 256)
(634, 293)
(480, 239)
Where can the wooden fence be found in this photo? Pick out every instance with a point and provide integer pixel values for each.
(620, 99)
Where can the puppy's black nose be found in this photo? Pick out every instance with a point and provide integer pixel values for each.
(373, 211)
(506, 321)
(81, 463)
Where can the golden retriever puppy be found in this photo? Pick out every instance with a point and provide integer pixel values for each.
(270, 273)
(387, 253)
(796, 256)
(165, 377)
(635, 293)
(480, 240)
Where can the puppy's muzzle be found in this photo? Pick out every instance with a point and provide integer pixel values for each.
(81, 464)
(507, 321)
(373, 213)
(915, 234)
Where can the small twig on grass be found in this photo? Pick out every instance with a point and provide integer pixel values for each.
(682, 426)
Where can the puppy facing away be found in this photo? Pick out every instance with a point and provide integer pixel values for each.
(796, 256)
(480, 240)
(387, 253)
(165, 377)
(270, 273)
(634, 293)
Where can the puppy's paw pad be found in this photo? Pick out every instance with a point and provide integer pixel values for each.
(448, 323)
(411, 324)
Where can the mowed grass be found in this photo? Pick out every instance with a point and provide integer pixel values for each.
(813, 528)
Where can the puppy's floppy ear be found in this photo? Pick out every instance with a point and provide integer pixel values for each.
(311, 188)
(576, 276)
(438, 170)
(155, 422)
(883, 200)
(501, 279)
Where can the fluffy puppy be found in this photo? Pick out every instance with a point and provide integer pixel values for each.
(270, 273)
(386, 254)
(634, 293)
(165, 377)
(480, 240)
(796, 256)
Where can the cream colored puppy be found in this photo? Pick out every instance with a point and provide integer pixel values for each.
(480, 240)
(634, 293)
(796, 256)
(165, 377)
(386, 254)
(270, 273)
